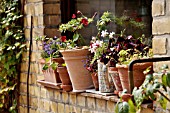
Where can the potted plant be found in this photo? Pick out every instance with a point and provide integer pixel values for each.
(74, 54)
(154, 84)
(64, 76)
(51, 57)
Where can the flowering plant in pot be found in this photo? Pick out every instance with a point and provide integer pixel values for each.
(73, 52)
(51, 58)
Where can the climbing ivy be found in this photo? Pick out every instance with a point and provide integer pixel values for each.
(11, 48)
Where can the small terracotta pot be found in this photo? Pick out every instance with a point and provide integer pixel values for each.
(138, 74)
(64, 76)
(95, 80)
(50, 75)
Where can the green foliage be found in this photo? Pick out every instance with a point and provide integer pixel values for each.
(151, 86)
(11, 48)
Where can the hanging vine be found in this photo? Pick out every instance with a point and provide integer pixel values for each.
(11, 48)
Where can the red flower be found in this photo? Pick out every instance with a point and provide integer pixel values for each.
(138, 19)
(63, 38)
(73, 16)
(84, 21)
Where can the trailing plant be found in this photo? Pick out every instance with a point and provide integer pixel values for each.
(154, 84)
(11, 48)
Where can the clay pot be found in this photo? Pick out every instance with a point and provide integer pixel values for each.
(50, 75)
(138, 74)
(113, 72)
(95, 80)
(79, 76)
(65, 79)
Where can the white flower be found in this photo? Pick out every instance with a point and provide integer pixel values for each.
(111, 34)
(93, 38)
(104, 33)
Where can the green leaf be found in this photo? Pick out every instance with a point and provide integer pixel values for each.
(163, 102)
(45, 67)
(131, 106)
(123, 107)
(54, 65)
(168, 79)
(75, 37)
(164, 81)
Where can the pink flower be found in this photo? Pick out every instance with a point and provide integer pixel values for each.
(73, 16)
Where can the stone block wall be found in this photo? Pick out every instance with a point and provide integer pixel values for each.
(161, 30)
(46, 18)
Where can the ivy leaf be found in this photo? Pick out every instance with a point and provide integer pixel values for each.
(131, 106)
(164, 81)
(122, 107)
(168, 79)
(17, 44)
(163, 102)
(9, 48)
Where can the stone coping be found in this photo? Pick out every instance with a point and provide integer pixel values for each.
(113, 98)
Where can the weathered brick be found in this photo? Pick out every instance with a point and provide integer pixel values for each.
(65, 97)
(57, 95)
(27, 21)
(60, 108)
(27, 33)
(47, 105)
(67, 108)
(22, 109)
(29, 9)
(110, 106)
(34, 67)
(24, 67)
(159, 45)
(161, 25)
(101, 104)
(22, 100)
(147, 110)
(52, 8)
(52, 20)
(158, 65)
(41, 104)
(33, 79)
(23, 77)
(37, 91)
(43, 93)
(86, 111)
(54, 107)
(72, 99)
(33, 102)
(76, 110)
(23, 88)
(33, 1)
(50, 93)
(35, 21)
(81, 100)
(51, 32)
(39, 9)
(49, 1)
(91, 103)
(158, 7)
(40, 20)
(38, 32)
(31, 90)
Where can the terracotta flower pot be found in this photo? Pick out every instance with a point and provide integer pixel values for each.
(50, 75)
(138, 74)
(113, 72)
(95, 80)
(105, 81)
(79, 76)
(65, 79)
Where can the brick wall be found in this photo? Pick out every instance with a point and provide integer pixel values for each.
(46, 18)
(161, 29)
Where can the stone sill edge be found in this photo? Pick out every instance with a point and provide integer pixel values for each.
(113, 98)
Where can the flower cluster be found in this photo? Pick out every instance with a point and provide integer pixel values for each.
(77, 22)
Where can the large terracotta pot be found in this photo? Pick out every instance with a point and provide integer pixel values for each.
(105, 82)
(65, 79)
(138, 74)
(79, 76)
(51, 75)
(113, 72)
